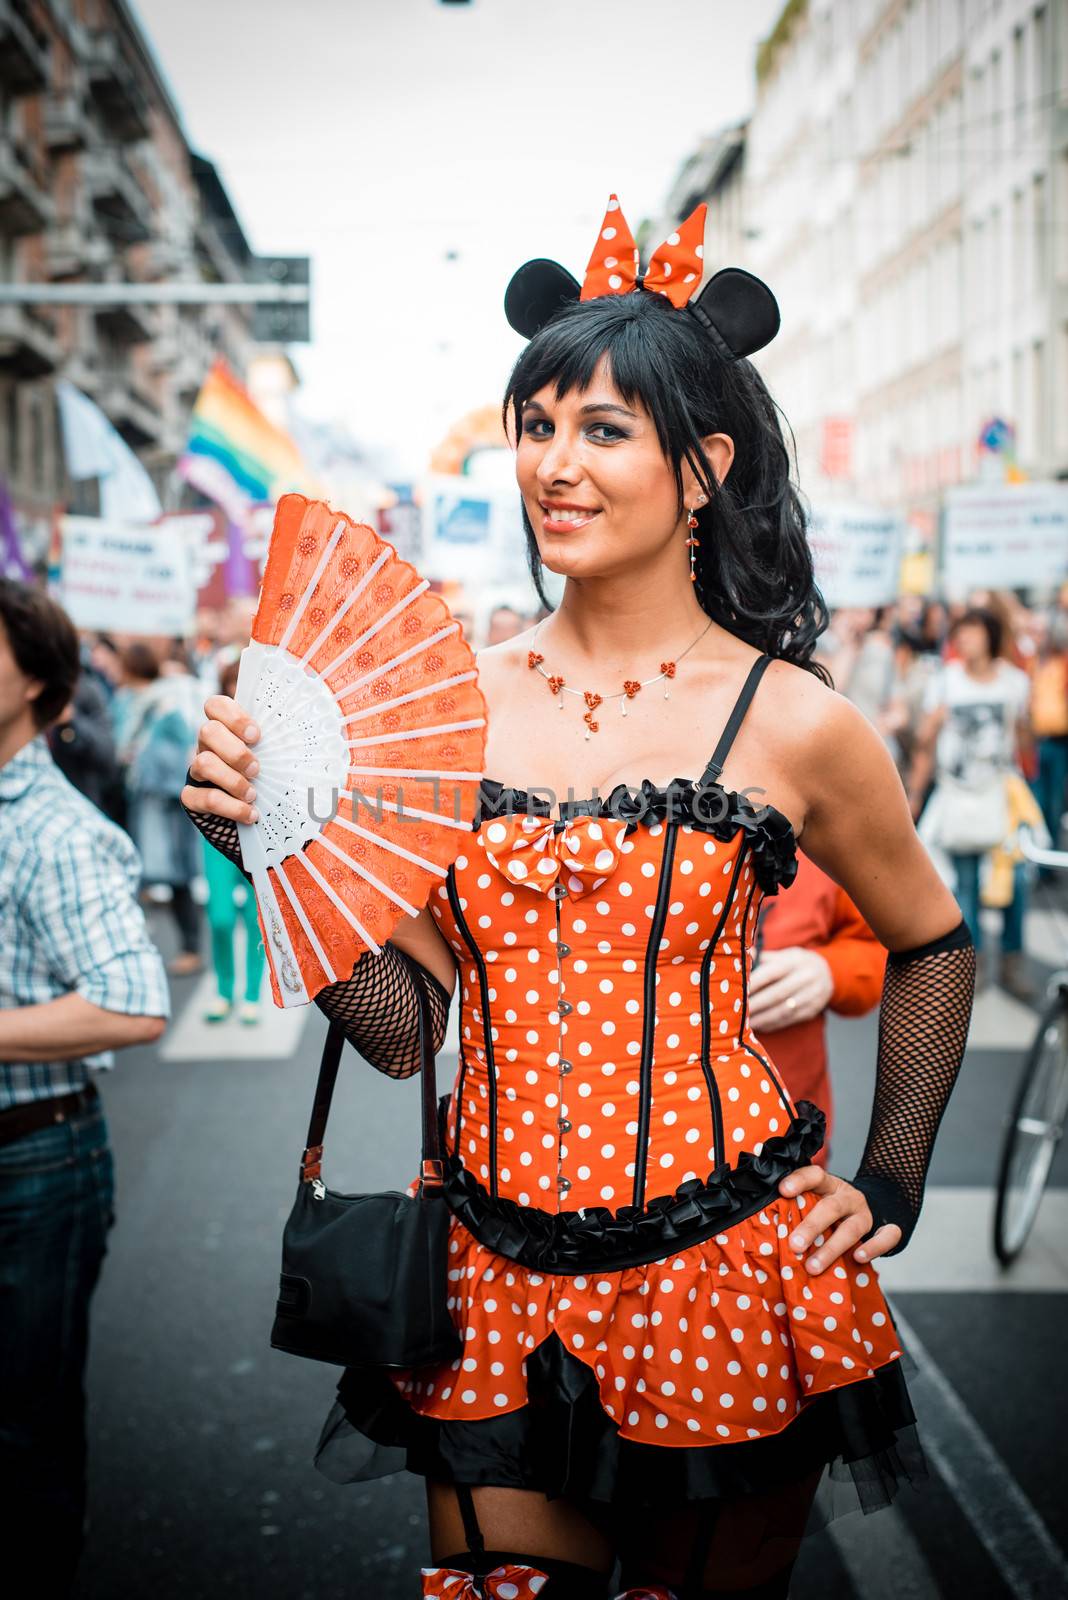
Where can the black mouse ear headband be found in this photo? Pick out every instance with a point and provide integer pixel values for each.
(736, 310)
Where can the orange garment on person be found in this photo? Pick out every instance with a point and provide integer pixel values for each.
(817, 914)
(577, 1095)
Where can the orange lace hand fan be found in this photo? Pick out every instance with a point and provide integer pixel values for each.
(372, 733)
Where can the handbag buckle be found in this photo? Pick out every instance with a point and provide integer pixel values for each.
(431, 1174)
(311, 1163)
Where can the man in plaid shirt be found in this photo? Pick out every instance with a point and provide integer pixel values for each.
(79, 977)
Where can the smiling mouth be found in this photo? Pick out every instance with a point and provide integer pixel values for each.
(557, 517)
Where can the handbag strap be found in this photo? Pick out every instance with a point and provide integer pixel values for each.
(431, 1171)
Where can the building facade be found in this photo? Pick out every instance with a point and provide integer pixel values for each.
(98, 184)
(904, 190)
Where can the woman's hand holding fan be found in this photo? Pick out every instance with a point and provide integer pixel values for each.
(369, 754)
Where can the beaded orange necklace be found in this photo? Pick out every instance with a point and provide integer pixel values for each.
(593, 700)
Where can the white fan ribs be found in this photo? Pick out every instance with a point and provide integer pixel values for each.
(344, 610)
(302, 603)
(302, 918)
(376, 627)
(388, 844)
(396, 661)
(332, 587)
(368, 876)
(415, 733)
(350, 916)
(404, 699)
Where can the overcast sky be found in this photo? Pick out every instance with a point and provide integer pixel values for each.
(377, 135)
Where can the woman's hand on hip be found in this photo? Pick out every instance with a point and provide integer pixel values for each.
(840, 1216)
(788, 986)
(224, 760)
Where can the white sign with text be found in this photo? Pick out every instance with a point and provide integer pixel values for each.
(126, 578)
(1006, 536)
(857, 552)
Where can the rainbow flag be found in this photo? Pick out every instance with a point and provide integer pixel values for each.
(235, 455)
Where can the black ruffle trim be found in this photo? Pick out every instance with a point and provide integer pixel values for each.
(598, 1239)
(715, 810)
(562, 1442)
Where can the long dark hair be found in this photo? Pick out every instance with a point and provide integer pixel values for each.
(754, 566)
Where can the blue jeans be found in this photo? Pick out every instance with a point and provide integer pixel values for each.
(966, 889)
(56, 1194)
(1050, 783)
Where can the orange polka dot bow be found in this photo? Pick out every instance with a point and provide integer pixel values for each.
(503, 1583)
(736, 310)
(535, 853)
(675, 269)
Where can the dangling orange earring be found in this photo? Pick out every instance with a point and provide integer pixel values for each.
(693, 542)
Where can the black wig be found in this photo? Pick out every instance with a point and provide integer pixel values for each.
(753, 565)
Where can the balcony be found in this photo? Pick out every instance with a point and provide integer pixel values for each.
(133, 412)
(74, 250)
(23, 51)
(188, 375)
(66, 126)
(25, 204)
(113, 85)
(28, 345)
(127, 324)
(120, 204)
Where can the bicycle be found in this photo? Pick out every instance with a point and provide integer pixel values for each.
(1036, 1122)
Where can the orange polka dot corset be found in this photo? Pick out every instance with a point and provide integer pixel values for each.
(606, 1055)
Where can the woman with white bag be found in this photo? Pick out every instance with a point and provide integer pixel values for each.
(976, 719)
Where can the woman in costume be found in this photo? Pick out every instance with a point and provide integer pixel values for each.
(671, 1324)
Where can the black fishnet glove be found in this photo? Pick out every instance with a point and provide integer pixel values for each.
(923, 1028)
(378, 1007)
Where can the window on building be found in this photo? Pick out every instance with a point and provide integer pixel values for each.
(1040, 234)
(1040, 64)
(996, 106)
(1019, 84)
(11, 412)
(37, 446)
(1039, 430)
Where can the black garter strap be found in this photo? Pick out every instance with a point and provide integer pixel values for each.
(567, 1580)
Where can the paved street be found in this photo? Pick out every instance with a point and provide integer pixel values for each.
(202, 1437)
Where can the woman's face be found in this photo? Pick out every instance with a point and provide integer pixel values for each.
(972, 643)
(598, 489)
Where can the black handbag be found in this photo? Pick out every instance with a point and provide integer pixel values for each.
(365, 1276)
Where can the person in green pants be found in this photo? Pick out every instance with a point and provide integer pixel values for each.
(223, 878)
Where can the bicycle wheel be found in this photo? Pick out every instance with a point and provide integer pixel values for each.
(1033, 1132)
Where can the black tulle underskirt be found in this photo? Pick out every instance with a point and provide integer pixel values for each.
(562, 1443)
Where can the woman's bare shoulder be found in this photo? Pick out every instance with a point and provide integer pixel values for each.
(802, 702)
(823, 731)
(497, 662)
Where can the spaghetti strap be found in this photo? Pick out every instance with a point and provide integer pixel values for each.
(734, 722)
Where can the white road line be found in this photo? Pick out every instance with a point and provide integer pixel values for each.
(882, 1557)
(951, 1250)
(1006, 1523)
(275, 1037)
(999, 1022)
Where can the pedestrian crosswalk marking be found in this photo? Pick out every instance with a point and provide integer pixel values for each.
(951, 1250)
(276, 1036)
